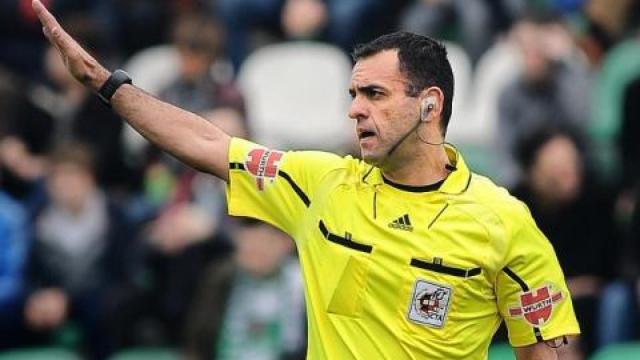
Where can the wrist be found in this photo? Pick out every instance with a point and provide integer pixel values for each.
(95, 75)
(99, 80)
(111, 85)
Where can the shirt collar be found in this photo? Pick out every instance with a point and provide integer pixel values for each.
(456, 183)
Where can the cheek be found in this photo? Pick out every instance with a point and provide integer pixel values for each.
(397, 120)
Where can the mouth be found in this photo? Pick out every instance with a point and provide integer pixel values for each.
(364, 134)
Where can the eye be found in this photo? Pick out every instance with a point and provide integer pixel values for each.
(352, 93)
(373, 93)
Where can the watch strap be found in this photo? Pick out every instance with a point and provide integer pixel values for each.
(117, 79)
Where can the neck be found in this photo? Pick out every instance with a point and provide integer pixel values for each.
(425, 168)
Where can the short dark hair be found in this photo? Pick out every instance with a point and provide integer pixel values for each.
(528, 145)
(76, 153)
(421, 59)
(199, 32)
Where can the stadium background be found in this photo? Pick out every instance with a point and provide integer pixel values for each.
(109, 247)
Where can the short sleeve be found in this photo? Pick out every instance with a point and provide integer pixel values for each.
(533, 298)
(274, 186)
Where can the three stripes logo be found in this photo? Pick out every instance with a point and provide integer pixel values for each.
(402, 223)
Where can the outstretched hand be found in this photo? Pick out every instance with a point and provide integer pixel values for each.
(84, 67)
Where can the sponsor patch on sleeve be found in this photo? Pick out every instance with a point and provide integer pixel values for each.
(429, 303)
(263, 165)
(536, 306)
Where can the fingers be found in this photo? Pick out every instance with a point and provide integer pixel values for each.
(50, 26)
(77, 60)
(48, 21)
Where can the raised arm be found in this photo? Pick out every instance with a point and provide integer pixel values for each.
(188, 137)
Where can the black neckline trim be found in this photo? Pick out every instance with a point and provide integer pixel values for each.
(415, 189)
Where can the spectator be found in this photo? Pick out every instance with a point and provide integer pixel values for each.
(620, 306)
(144, 23)
(606, 23)
(79, 252)
(430, 17)
(151, 309)
(199, 88)
(14, 246)
(25, 138)
(251, 306)
(184, 236)
(552, 90)
(202, 83)
(574, 213)
(628, 136)
(341, 22)
(619, 309)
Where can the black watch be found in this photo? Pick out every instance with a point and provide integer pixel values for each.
(117, 79)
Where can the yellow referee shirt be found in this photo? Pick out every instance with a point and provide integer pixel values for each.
(393, 272)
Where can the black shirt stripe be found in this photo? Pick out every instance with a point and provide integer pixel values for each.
(443, 269)
(343, 240)
(284, 175)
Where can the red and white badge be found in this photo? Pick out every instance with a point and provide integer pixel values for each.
(429, 303)
(263, 164)
(536, 306)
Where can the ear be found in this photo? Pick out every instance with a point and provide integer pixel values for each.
(431, 103)
(427, 107)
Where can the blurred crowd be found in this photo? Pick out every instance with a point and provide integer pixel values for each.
(107, 243)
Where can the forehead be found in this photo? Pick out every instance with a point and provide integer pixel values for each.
(379, 68)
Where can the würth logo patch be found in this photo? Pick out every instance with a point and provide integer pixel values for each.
(263, 164)
(536, 306)
(402, 223)
(429, 303)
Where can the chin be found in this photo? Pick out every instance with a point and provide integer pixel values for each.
(372, 159)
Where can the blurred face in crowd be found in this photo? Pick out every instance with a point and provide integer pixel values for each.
(536, 64)
(556, 174)
(194, 63)
(70, 185)
(384, 113)
(261, 248)
(198, 40)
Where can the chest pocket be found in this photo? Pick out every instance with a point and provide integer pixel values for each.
(351, 287)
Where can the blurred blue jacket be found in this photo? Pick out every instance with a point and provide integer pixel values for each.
(13, 249)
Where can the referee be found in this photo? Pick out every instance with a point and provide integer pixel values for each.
(405, 254)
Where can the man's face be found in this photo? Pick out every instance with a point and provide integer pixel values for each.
(556, 174)
(70, 186)
(261, 249)
(383, 112)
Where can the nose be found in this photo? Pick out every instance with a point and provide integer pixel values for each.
(358, 109)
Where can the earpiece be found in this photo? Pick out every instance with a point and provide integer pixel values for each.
(427, 106)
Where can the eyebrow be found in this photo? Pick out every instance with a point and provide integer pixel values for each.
(366, 88)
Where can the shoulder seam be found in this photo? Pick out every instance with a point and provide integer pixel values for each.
(486, 230)
(325, 175)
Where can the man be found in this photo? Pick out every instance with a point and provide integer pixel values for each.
(77, 254)
(393, 268)
(250, 305)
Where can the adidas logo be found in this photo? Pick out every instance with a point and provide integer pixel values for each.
(402, 223)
